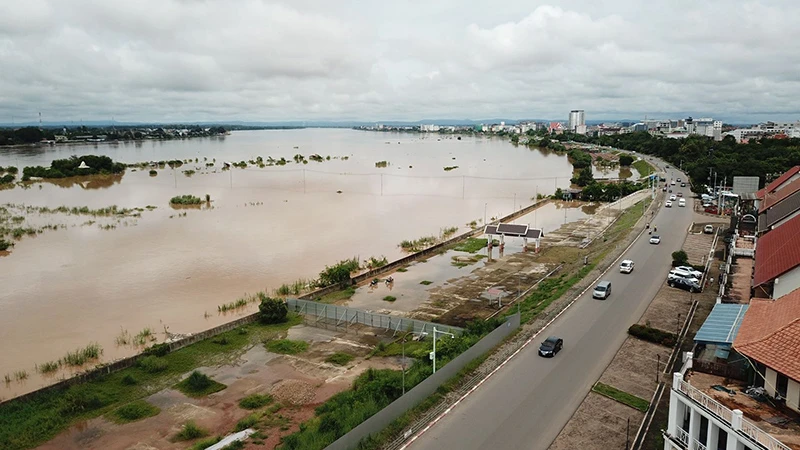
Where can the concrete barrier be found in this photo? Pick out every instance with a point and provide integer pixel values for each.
(425, 389)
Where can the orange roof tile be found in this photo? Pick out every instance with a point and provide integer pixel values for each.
(772, 187)
(770, 333)
(777, 252)
(772, 198)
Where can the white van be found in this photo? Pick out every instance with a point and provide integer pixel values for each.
(682, 202)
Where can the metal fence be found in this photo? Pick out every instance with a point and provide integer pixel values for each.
(342, 316)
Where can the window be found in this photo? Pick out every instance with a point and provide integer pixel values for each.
(703, 438)
(781, 385)
(722, 439)
(687, 413)
(760, 375)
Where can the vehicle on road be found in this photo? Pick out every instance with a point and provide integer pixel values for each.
(680, 194)
(688, 284)
(708, 229)
(664, 189)
(681, 273)
(678, 180)
(683, 184)
(626, 266)
(551, 346)
(673, 182)
(673, 197)
(667, 204)
(691, 271)
(602, 290)
(682, 203)
(655, 239)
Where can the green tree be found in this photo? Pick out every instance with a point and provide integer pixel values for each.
(625, 160)
(584, 177)
(272, 310)
(679, 258)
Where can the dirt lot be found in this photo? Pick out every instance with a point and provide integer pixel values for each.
(297, 382)
(599, 423)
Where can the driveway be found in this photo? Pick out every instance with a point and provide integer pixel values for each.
(528, 402)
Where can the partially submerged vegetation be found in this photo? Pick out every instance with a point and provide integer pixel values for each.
(185, 200)
(74, 166)
(339, 272)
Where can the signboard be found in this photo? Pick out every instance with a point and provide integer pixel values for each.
(745, 185)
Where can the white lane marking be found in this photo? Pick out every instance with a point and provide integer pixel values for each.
(447, 411)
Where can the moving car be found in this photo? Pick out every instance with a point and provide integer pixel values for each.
(551, 346)
(680, 194)
(678, 180)
(655, 239)
(683, 184)
(682, 202)
(708, 229)
(673, 182)
(673, 197)
(626, 266)
(691, 271)
(668, 204)
(602, 290)
(689, 284)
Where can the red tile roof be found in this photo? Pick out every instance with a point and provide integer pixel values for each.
(777, 252)
(771, 198)
(779, 181)
(770, 333)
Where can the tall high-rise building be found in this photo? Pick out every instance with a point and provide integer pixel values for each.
(577, 121)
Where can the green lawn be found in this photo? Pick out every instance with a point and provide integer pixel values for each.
(643, 167)
(621, 396)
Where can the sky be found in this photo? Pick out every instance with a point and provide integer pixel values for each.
(253, 60)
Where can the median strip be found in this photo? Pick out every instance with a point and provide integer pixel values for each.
(621, 396)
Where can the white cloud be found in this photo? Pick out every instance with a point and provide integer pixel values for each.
(258, 60)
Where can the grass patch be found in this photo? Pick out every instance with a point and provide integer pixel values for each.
(426, 282)
(205, 443)
(287, 346)
(255, 401)
(189, 431)
(40, 417)
(236, 445)
(199, 385)
(471, 245)
(247, 422)
(134, 411)
(621, 396)
(418, 244)
(82, 356)
(152, 364)
(340, 358)
(643, 167)
(653, 335)
(402, 269)
(389, 298)
(48, 367)
(337, 296)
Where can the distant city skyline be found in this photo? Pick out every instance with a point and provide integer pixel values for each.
(278, 61)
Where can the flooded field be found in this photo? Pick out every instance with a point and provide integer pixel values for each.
(164, 269)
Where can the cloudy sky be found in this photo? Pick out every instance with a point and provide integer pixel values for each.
(172, 60)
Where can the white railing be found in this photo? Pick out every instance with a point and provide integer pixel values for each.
(683, 436)
(763, 438)
(698, 445)
(747, 428)
(707, 402)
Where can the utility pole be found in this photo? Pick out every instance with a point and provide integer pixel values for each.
(403, 362)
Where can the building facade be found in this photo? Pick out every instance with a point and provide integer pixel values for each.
(577, 121)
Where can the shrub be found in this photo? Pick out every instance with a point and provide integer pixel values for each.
(152, 364)
(287, 346)
(129, 380)
(338, 273)
(4, 245)
(272, 310)
(389, 298)
(340, 358)
(255, 401)
(7, 179)
(190, 431)
(198, 385)
(185, 200)
(653, 335)
(205, 443)
(625, 160)
(153, 173)
(236, 445)
(62, 168)
(158, 349)
(680, 258)
(246, 422)
(133, 411)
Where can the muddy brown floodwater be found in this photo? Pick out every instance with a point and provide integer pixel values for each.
(66, 288)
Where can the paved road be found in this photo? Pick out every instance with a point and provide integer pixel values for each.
(527, 403)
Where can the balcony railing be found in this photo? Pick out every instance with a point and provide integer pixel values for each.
(683, 436)
(747, 428)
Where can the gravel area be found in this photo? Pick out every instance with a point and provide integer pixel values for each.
(293, 392)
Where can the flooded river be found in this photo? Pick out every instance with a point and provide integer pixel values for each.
(266, 226)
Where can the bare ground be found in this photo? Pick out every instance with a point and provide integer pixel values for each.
(599, 423)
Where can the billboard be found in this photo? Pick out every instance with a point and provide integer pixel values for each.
(745, 185)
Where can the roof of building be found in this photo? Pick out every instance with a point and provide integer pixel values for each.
(780, 211)
(772, 187)
(534, 233)
(770, 333)
(778, 252)
(722, 324)
(773, 198)
(512, 228)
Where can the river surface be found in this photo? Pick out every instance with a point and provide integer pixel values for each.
(170, 269)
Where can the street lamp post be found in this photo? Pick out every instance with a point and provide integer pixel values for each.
(433, 353)
(485, 205)
(403, 362)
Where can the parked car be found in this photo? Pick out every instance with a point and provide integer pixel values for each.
(682, 202)
(708, 229)
(691, 270)
(680, 194)
(655, 239)
(681, 273)
(673, 197)
(689, 284)
(626, 266)
(668, 204)
(551, 346)
(602, 290)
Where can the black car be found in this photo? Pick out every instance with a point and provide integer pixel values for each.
(686, 284)
(551, 346)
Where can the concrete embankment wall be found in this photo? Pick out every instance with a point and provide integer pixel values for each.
(425, 389)
(130, 361)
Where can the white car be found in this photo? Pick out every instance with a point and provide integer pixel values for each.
(626, 266)
(691, 270)
(677, 273)
(667, 204)
(682, 203)
(655, 239)
(673, 197)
